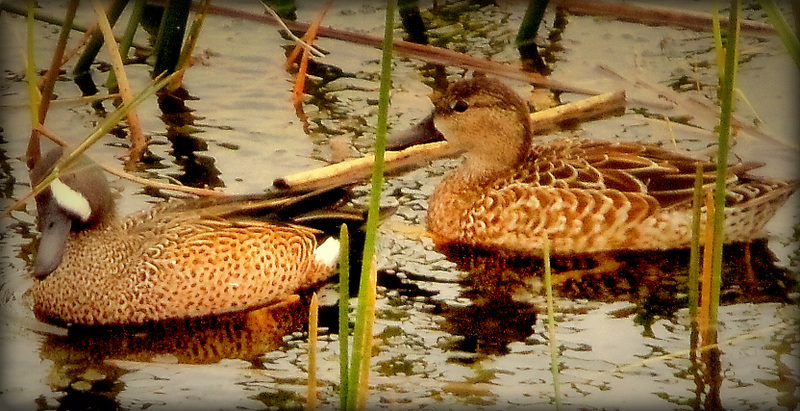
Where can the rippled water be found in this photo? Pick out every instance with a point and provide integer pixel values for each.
(445, 337)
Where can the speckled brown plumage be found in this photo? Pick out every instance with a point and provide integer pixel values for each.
(585, 196)
(153, 266)
(178, 259)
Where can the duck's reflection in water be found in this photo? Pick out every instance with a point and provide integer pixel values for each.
(80, 359)
(501, 288)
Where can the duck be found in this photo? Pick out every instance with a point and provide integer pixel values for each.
(585, 196)
(180, 259)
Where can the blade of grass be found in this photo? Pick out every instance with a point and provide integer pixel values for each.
(780, 24)
(344, 311)
(551, 323)
(313, 319)
(373, 216)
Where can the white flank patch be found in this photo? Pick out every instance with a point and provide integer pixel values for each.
(327, 253)
(71, 200)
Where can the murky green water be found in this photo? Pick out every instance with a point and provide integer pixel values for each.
(445, 338)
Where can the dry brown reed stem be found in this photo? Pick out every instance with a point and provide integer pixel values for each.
(357, 170)
(138, 141)
(705, 277)
(162, 186)
(587, 109)
(311, 387)
(652, 15)
(300, 80)
(307, 38)
(49, 79)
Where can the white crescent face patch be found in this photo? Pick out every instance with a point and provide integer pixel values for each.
(70, 200)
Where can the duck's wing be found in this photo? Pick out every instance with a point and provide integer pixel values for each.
(665, 175)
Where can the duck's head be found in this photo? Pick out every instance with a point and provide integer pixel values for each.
(77, 199)
(481, 116)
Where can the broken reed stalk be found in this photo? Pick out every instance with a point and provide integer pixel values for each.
(313, 320)
(551, 323)
(307, 39)
(138, 140)
(542, 122)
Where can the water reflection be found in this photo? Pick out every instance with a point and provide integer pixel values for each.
(500, 288)
(80, 359)
(198, 170)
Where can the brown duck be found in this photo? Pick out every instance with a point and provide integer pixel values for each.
(179, 259)
(585, 196)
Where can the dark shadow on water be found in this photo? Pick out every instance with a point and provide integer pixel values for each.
(198, 170)
(497, 284)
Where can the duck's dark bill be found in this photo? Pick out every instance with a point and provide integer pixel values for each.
(424, 132)
(55, 227)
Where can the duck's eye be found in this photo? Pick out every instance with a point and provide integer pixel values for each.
(460, 106)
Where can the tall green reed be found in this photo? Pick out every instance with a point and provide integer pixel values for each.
(354, 373)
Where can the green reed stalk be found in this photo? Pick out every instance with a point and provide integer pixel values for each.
(694, 249)
(781, 26)
(551, 322)
(726, 104)
(170, 36)
(126, 41)
(360, 355)
(344, 311)
(719, 50)
(526, 34)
